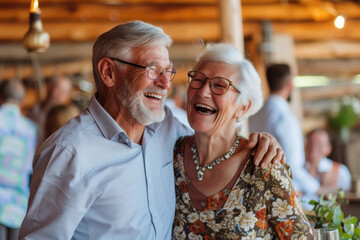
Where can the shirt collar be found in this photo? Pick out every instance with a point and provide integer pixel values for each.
(107, 125)
(281, 102)
(11, 107)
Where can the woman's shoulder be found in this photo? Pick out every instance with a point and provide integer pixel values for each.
(273, 171)
(180, 144)
(272, 174)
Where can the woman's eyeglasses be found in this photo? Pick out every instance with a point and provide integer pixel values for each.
(218, 85)
(153, 71)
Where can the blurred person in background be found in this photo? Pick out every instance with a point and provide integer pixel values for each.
(58, 116)
(18, 136)
(58, 92)
(330, 174)
(176, 101)
(276, 118)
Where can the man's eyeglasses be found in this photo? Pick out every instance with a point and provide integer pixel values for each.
(218, 85)
(153, 71)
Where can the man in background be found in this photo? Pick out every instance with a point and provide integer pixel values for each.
(176, 101)
(331, 174)
(276, 118)
(18, 137)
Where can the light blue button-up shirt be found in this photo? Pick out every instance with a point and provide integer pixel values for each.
(276, 118)
(92, 182)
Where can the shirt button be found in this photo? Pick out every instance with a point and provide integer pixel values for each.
(127, 141)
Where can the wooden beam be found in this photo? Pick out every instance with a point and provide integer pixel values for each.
(115, 2)
(231, 23)
(183, 31)
(314, 31)
(334, 91)
(89, 31)
(327, 50)
(95, 11)
(14, 58)
(87, 12)
(330, 67)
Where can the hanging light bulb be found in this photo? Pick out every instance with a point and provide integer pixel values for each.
(340, 21)
(36, 39)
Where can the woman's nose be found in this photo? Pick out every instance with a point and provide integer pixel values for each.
(205, 90)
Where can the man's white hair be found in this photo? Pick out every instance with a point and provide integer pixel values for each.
(120, 40)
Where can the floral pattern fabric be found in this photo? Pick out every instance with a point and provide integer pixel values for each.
(261, 205)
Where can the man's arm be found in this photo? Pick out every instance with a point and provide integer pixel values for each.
(59, 196)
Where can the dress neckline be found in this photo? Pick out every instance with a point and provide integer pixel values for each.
(228, 188)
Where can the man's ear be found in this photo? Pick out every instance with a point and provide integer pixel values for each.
(107, 69)
(243, 108)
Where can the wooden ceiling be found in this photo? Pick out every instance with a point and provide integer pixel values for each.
(73, 25)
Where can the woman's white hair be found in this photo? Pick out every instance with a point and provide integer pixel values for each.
(120, 40)
(249, 82)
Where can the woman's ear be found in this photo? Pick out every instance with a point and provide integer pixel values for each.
(106, 69)
(243, 108)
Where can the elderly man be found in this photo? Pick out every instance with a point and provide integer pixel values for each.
(108, 173)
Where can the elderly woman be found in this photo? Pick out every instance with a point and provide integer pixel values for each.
(220, 193)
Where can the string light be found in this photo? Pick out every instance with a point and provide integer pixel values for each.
(340, 21)
(36, 39)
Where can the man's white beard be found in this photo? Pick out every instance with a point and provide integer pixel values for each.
(136, 107)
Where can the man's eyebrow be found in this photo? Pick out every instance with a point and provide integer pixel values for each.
(171, 64)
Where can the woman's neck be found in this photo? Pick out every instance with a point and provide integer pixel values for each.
(210, 147)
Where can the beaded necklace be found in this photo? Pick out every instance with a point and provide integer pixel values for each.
(210, 165)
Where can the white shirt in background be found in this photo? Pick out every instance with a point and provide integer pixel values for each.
(276, 118)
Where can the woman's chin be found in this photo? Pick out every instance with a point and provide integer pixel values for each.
(201, 127)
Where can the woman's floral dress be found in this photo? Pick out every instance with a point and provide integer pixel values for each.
(261, 205)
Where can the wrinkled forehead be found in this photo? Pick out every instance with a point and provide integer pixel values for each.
(218, 69)
(158, 54)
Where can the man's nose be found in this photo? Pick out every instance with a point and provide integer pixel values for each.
(163, 81)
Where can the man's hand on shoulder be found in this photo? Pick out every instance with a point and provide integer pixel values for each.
(268, 149)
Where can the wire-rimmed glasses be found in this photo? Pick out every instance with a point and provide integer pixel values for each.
(218, 85)
(153, 71)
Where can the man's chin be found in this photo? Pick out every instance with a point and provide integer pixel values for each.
(151, 117)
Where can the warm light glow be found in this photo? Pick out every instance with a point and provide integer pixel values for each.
(339, 22)
(34, 5)
(310, 81)
(356, 79)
